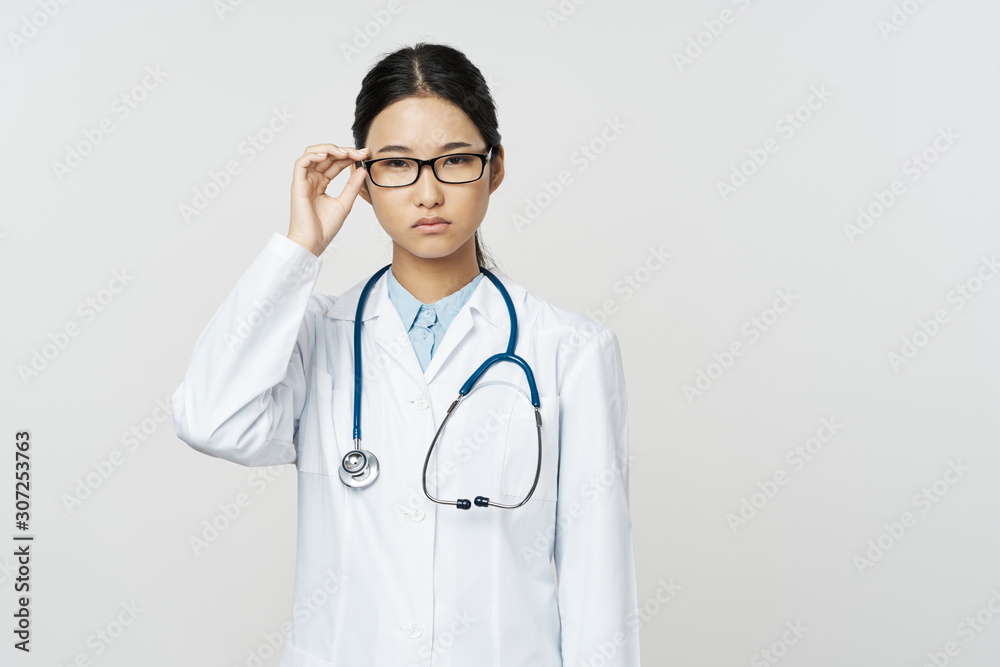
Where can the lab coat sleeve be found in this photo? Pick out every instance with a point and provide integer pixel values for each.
(244, 386)
(593, 549)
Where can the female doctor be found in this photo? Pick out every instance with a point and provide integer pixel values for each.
(450, 382)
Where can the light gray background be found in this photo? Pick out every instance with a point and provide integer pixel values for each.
(682, 129)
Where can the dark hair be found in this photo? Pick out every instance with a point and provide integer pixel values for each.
(429, 70)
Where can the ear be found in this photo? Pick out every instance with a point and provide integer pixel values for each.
(364, 186)
(496, 169)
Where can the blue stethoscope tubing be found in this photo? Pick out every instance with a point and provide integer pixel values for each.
(359, 467)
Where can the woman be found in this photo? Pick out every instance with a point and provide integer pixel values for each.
(395, 566)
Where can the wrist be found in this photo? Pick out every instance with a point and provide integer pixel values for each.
(308, 246)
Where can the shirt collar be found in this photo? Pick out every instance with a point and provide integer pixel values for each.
(409, 306)
(485, 299)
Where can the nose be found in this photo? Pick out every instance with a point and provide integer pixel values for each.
(427, 189)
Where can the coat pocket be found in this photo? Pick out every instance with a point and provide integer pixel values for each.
(329, 425)
(520, 457)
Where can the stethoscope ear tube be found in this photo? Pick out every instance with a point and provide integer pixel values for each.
(482, 501)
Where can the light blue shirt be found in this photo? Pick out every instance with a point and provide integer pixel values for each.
(426, 323)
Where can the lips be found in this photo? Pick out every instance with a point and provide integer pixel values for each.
(429, 221)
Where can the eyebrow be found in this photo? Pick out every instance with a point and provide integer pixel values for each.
(396, 148)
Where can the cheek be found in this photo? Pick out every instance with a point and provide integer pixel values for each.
(389, 208)
(476, 202)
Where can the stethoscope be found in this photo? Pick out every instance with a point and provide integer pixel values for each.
(359, 467)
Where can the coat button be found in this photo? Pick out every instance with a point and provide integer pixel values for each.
(420, 403)
(417, 515)
(414, 630)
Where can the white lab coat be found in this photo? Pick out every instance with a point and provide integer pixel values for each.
(384, 576)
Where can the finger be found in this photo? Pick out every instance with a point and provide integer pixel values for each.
(330, 171)
(330, 165)
(319, 162)
(301, 167)
(333, 159)
(322, 148)
(351, 189)
(325, 158)
(334, 149)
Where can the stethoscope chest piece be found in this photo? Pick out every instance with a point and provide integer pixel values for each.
(359, 468)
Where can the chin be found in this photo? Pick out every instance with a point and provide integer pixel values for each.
(433, 255)
(429, 248)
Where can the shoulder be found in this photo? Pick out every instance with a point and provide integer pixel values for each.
(337, 306)
(570, 336)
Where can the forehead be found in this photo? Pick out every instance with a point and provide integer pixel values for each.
(423, 124)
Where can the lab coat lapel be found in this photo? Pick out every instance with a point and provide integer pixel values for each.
(388, 330)
(485, 307)
(453, 334)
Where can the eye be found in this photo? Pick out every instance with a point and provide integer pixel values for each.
(457, 159)
(396, 163)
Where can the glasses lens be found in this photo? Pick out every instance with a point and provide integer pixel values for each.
(394, 172)
(458, 168)
(397, 172)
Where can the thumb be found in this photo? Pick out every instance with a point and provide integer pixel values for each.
(351, 189)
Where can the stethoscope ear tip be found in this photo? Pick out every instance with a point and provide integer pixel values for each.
(464, 504)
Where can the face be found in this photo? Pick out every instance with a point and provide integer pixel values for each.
(426, 127)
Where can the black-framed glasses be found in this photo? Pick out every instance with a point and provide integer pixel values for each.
(453, 168)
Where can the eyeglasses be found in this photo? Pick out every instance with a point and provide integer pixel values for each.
(398, 172)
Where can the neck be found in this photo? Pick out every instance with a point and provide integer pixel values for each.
(432, 279)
